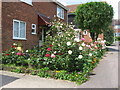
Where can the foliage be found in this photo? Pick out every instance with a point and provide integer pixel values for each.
(118, 38)
(70, 58)
(109, 36)
(95, 16)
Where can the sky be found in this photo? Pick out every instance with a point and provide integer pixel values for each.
(114, 4)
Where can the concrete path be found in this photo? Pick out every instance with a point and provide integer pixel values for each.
(30, 81)
(106, 71)
(106, 76)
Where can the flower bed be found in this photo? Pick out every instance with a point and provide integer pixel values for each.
(61, 57)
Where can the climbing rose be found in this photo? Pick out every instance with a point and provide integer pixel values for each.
(47, 55)
(51, 45)
(7, 54)
(80, 56)
(90, 54)
(48, 49)
(80, 48)
(19, 54)
(83, 44)
(69, 52)
(82, 39)
(68, 43)
(53, 56)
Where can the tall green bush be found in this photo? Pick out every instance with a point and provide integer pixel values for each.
(109, 36)
(95, 16)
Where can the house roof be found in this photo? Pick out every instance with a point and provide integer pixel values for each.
(72, 8)
(60, 4)
(43, 20)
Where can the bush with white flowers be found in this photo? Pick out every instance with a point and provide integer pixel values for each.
(60, 51)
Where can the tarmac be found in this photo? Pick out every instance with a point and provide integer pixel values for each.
(105, 75)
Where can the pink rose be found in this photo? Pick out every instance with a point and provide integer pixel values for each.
(53, 56)
(82, 39)
(48, 49)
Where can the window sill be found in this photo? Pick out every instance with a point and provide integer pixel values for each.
(19, 38)
(33, 33)
(60, 18)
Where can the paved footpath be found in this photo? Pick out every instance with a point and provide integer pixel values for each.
(106, 71)
(106, 76)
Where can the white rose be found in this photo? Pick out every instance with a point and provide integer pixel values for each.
(28, 58)
(26, 51)
(80, 56)
(69, 52)
(80, 48)
(55, 52)
(68, 43)
(83, 44)
(90, 54)
(13, 52)
(77, 40)
(14, 44)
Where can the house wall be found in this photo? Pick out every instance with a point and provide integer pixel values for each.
(88, 37)
(24, 12)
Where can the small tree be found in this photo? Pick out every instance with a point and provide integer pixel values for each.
(95, 16)
(109, 36)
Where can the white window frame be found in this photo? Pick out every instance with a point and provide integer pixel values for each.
(84, 32)
(26, 1)
(34, 29)
(14, 20)
(61, 12)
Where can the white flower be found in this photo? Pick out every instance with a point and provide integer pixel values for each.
(28, 58)
(80, 48)
(98, 38)
(58, 44)
(83, 44)
(76, 40)
(14, 44)
(55, 52)
(68, 43)
(69, 52)
(13, 52)
(90, 54)
(80, 56)
(60, 26)
(26, 51)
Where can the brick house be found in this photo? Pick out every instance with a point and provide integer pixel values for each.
(26, 22)
(82, 34)
(116, 26)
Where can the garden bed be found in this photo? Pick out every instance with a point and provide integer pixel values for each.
(61, 57)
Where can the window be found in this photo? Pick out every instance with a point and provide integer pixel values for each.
(33, 28)
(60, 12)
(85, 32)
(27, 1)
(19, 29)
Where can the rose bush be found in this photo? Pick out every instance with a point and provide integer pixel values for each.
(61, 51)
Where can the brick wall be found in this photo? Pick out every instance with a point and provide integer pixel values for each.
(24, 12)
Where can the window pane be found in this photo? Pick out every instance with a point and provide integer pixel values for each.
(16, 29)
(22, 30)
(58, 11)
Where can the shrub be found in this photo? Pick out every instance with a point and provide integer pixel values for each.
(109, 36)
(117, 38)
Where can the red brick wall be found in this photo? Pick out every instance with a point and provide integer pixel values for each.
(88, 37)
(24, 12)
